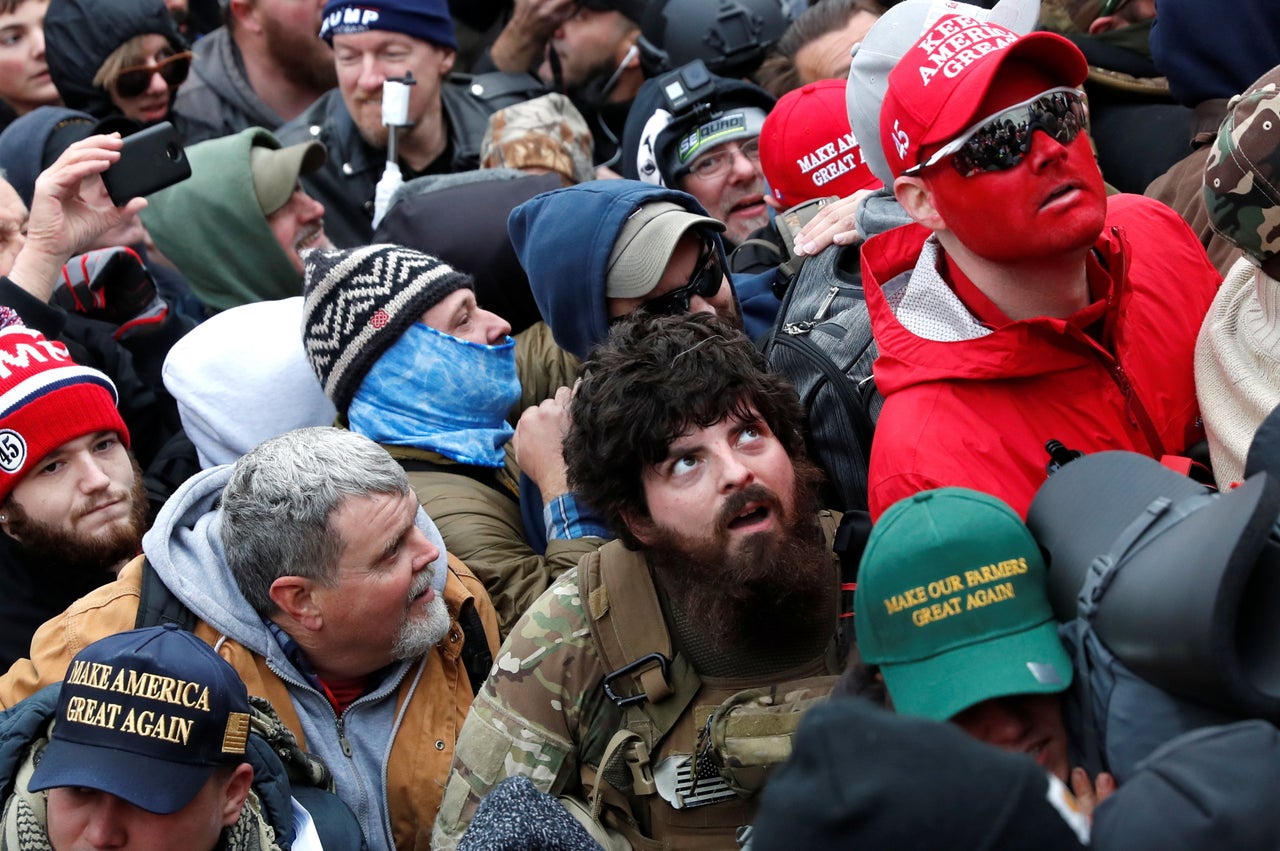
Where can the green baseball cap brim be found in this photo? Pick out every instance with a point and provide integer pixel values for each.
(1029, 662)
(276, 171)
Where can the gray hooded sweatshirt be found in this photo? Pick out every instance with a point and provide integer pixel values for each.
(185, 548)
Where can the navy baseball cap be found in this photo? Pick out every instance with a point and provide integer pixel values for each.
(146, 715)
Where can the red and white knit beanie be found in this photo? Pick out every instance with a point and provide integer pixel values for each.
(47, 399)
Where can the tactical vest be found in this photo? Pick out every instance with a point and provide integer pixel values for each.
(680, 756)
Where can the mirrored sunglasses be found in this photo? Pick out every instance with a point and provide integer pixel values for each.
(133, 81)
(706, 280)
(1000, 141)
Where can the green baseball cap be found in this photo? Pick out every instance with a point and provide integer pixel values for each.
(952, 605)
(276, 171)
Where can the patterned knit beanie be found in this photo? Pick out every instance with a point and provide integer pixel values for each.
(358, 301)
(46, 399)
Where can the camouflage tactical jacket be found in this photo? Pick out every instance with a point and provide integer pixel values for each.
(543, 712)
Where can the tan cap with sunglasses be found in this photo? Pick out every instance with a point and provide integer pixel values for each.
(645, 244)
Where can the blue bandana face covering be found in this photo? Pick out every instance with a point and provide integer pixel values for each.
(434, 391)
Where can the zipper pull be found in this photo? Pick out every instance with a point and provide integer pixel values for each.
(795, 328)
(1126, 389)
(342, 739)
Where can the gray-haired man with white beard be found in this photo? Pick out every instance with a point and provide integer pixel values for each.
(312, 568)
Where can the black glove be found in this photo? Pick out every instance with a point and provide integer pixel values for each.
(113, 285)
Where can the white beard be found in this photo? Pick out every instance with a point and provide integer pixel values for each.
(418, 635)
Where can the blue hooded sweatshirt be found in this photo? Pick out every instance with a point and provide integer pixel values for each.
(563, 239)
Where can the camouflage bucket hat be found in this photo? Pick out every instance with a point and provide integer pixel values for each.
(1242, 174)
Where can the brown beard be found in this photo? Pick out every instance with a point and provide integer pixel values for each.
(745, 599)
(378, 136)
(305, 61)
(85, 556)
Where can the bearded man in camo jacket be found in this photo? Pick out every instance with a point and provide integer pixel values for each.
(722, 579)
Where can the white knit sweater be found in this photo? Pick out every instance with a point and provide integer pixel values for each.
(1238, 365)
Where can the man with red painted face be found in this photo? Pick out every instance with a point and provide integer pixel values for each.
(1024, 306)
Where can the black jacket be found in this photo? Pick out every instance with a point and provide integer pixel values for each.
(34, 593)
(1139, 131)
(462, 219)
(346, 183)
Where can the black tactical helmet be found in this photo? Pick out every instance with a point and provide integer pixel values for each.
(730, 36)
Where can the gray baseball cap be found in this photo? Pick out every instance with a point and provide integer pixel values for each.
(888, 41)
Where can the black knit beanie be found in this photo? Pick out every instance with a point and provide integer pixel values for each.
(358, 301)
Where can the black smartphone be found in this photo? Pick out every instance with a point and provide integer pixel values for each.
(150, 160)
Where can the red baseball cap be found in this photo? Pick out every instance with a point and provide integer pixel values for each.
(807, 149)
(936, 88)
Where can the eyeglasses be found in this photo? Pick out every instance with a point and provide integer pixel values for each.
(706, 280)
(1110, 7)
(1000, 141)
(718, 162)
(133, 81)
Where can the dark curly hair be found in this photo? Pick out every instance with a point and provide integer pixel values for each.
(652, 380)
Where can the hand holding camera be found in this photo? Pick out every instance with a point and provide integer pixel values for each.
(69, 213)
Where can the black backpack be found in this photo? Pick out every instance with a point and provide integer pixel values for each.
(1165, 592)
(821, 341)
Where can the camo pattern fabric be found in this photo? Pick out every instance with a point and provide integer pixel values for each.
(546, 132)
(548, 674)
(302, 766)
(1242, 173)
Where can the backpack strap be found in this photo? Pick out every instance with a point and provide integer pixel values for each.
(628, 748)
(650, 683)
(476, 657)
(785, 264)
(1104, 568)
(1098, 578)
(763, 244)
(848, 540)
(646, 679)
(158, 605)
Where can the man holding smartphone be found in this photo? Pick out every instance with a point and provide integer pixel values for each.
(73, 502)
(78, 272)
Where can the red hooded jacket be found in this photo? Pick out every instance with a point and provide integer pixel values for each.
(969, 406)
